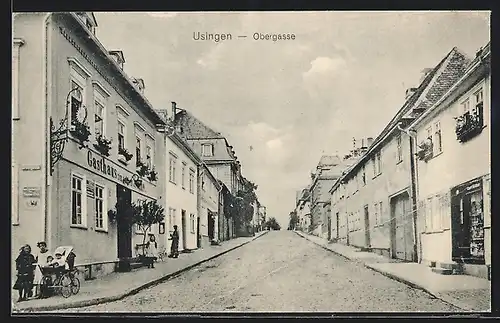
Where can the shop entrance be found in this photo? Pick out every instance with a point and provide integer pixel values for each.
(467, 222)
(124, 228)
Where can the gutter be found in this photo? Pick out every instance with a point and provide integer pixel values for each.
(46, 128)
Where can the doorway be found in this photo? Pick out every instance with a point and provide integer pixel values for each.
(368, 241)
(329, 228)
(467, 223)
(402, 236)
(183, 230)
(337, 224)
(211, 224)
(124, 227)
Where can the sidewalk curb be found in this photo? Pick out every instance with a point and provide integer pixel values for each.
(324, 247)
(135, 290)
(450, 300)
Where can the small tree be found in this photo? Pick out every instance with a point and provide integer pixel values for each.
(273, 224)
(147, 214)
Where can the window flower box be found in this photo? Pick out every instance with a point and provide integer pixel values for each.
(153, 175)
(79, 130)
(469, 125)
(425, 150)
(124, 155)
(142, 169)
(103, 145)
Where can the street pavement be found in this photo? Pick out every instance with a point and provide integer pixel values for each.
(278, 272)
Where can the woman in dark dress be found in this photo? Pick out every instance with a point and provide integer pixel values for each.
(174, 250)
(25, 272)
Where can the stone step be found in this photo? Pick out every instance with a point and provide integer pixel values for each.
(442, 271)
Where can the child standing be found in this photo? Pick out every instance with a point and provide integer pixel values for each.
(25, 273)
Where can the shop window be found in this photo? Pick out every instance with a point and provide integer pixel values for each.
(100, 208)
(77, 202)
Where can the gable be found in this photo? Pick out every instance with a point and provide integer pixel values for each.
(192, 128)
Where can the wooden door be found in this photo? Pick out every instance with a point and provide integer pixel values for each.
(402, 228)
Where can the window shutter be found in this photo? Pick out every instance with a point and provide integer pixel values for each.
(445, 208)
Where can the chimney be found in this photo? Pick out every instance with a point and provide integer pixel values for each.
(363, 143)
(174, 109)
(118, 57)
(369, 141)
(409, 92)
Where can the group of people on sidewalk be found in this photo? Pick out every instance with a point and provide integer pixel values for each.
(152, 247)
(29, 269)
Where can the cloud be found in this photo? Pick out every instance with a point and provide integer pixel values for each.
(324, 65)
(162, 15)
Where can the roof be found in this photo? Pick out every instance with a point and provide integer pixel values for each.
(433, 86)
(326, 160)
(194, 128)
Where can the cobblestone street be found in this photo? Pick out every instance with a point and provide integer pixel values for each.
(278, 272)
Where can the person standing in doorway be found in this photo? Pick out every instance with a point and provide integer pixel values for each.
(174, 250)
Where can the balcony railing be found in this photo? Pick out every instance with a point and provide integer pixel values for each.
(470, 124)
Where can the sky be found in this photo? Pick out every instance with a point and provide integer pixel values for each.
(284, 104)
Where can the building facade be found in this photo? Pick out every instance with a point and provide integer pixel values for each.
(98, 112)
(181, 192)
(328, 170)
(454, 173)
(303, 210)
(209, 193)
(376, 197)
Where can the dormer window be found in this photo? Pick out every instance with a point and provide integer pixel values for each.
(118, 57)
(207, 150)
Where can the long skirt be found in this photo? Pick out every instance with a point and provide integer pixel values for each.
(23, 281)
(38, 275)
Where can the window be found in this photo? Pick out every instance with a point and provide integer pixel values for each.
(76, 100)
(192, 223)
(121, 135)
(466, 106)
(171, 170)
(149, 163)
(376, 214)
(207, 150)
(171, 219)
(100, 214)
(78, 85)
(77, 202)
(363, 175)
(428, 215)
(183, 176)
(191, 181)
(400, 148)
(376, 164)
(437, 138)
(138, 149)
(15, 78)
(478, 108)
(99, 113)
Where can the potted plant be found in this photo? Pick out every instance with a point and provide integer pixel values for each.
(425, 150)
(138, 182)
(142, 169)
(80, 131)
(103, 145)
(153, 175)
(124, 155)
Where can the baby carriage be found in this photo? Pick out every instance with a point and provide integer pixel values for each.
(59, 276)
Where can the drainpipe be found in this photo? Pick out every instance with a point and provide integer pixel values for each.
(46, 128)
(413, 177)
